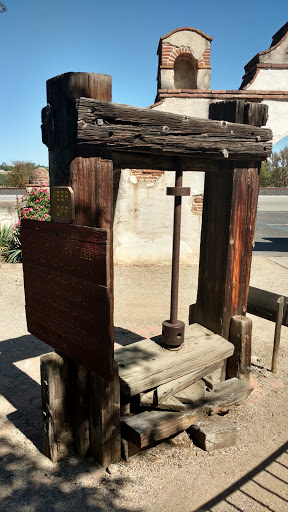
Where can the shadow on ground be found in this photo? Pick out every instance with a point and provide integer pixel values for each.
(272, 244)
(267, 468)
(71, 485)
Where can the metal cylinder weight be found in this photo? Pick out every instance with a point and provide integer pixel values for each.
(173, 334)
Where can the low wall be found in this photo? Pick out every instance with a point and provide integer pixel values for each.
(8, 212)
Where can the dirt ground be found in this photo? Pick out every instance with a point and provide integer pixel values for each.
(174, 476)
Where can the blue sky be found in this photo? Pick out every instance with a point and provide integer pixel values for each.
(41, 39)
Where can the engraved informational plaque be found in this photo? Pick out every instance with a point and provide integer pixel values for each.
(67, 290)
(62, 204)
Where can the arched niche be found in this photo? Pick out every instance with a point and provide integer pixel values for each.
(185, 72)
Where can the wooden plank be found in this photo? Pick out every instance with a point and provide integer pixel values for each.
(192, 394)
(225, 395)
(239, 364)
(115, 127)
(145, 428)
(165, 391)
(80, 348)
(104, 399)
(72, 261)
(74, 250)
(239, 111)
(264, 304)
(57, 431)
(145, 364)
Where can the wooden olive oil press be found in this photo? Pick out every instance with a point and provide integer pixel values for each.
(92, 398)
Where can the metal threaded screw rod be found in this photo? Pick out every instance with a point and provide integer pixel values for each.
(173, 329)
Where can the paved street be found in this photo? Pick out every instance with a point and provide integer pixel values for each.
(271, 236)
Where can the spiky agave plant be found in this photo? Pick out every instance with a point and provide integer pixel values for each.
(10, 244)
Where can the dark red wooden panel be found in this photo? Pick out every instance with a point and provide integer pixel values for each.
(66, 278)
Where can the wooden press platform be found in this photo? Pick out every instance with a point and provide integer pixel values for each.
(145, 364)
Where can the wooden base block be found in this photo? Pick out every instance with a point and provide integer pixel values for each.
(57, 431)
(105, 438)
(147, 427)
(128, 449)
(214, 433)
(225, 395)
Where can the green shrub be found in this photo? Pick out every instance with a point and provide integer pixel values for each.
(10, 245)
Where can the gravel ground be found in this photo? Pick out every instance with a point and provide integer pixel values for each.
(174, 476)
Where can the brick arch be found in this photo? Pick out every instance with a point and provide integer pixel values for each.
(177, 52)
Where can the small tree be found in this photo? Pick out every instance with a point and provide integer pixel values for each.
(19, 175)
(265, 174)
(279, 168)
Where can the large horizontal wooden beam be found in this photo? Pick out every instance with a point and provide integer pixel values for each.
(122, 129)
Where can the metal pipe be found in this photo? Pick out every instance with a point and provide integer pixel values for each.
(176, 249)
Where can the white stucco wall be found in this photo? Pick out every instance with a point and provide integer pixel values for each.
(196, 42)
(270, 80)
(278, 119)
(194, 107)
(143, 224)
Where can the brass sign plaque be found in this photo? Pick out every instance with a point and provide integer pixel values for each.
(62, 204)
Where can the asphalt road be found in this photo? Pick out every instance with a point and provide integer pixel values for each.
(271, 235)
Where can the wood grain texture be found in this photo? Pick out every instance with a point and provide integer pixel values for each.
(104, 399)
(72, 262)
(239, 364)
(145, 428)
(145, 364)
(165, 391)
(214, 433)
(225, 395)
(227, 238)
(114, 127)
(57, 431)
(264, 304)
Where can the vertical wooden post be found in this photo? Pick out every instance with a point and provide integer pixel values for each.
(57, 433)
(92, 181)
(240, 335)
(228, 225)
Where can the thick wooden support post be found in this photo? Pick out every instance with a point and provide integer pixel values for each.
(92, 182)
(240, 335)
(227, 239)
(105, 434)
(57, 433)
(228, 225)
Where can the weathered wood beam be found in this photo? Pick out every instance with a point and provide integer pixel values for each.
(148, 427)
(145, 428)
(165, 391)
(144, 365)
(114, 127)
(264, 304)
(227, 240)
